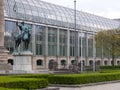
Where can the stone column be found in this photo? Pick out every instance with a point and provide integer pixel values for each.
(3, 51)
(33, 40)
(58, 48)
(46, 48)
(1, 23)
(68, 48)
(86, 56)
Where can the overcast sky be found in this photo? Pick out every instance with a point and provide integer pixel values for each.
(106, 8)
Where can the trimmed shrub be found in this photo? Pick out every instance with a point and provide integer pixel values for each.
(45, 76)
(83, 79)
(28, 84)
(1, 88)
(109, 71)
(109, 67)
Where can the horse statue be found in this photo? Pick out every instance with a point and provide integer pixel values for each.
(23, 36)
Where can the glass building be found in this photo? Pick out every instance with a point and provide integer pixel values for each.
(53, 33)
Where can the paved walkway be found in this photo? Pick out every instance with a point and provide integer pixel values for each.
(110, 86)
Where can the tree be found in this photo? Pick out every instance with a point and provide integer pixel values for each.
(109, 43)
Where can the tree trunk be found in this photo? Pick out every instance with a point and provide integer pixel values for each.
(113, 59)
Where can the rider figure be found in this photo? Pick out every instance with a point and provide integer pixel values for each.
(22, 27)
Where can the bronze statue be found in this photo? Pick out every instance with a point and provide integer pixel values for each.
(23, 36)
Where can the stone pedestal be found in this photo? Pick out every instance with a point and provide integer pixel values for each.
(3, 55)
(22, 62)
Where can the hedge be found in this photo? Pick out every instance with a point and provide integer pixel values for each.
(109, 71)
(109, 67)
(24, 83)
(72, 79)
(1, 88)
(33, 76)
(83, 79)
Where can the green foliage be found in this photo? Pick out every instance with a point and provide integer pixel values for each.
(35, 81)
(25, 83)
(109, 67)
(33, 76)
(109, 42)
(110, 71)
(1, 88)
(83, 79)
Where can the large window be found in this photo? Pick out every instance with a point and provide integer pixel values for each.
(72, 43)
(10, 31)
(63, 42)
(52, 41)
(40, 40)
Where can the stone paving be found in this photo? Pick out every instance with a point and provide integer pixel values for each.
(110, 86)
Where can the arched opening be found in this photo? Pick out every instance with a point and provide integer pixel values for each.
(118, 62)
(10, 61)
(91, 62)
(53, 65)
(98, 63)
(39, 62)
(73, 62)
(83, 63)
(105, 62)
(63, 62)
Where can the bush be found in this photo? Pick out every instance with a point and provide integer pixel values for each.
(83, 79)
(109, 71)
(1, 88)
(45, 76)
(28, 84)
(109, 67)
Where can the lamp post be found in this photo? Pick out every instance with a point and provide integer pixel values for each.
(77, 37)
(94, 52)
(75, 50)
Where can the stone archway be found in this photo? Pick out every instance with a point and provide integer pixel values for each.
(39, 62)
(53, 65)
(105, 62)
(73, 62)
(63, 64)
(91, 63)
(10, 61)
(97, 63)
(118, 62)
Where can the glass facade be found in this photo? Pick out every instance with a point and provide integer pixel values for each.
(40, 40)
(10, 30)
(52, 28)
(52, 41)
(43, 12)
(63, 42)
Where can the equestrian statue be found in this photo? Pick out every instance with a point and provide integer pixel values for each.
(24, 36)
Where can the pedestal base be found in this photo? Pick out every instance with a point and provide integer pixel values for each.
(22, 62)
(3, 55)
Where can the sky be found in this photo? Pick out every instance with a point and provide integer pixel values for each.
(106, 8)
